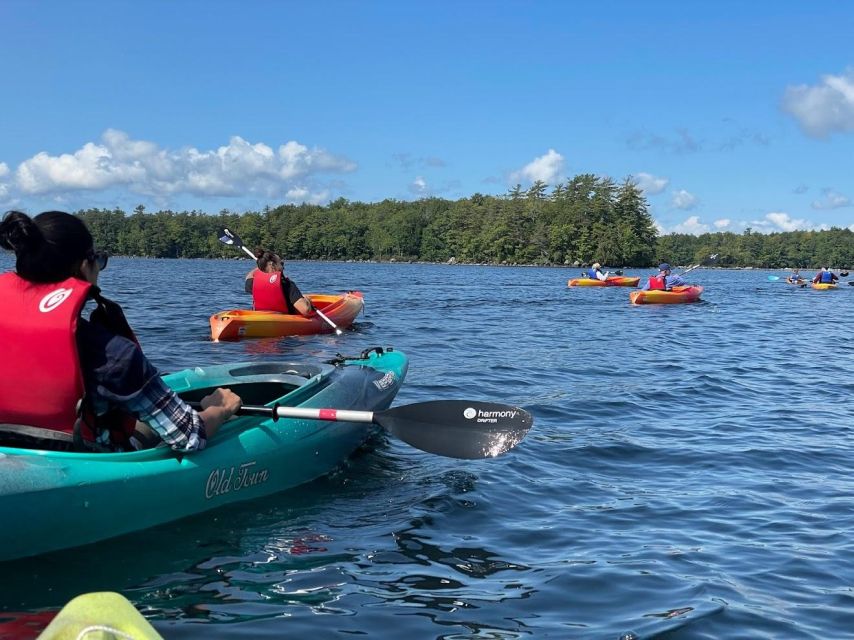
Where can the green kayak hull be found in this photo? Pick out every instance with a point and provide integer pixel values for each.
(56, 500)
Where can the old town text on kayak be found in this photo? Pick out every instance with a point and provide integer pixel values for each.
(222, 481)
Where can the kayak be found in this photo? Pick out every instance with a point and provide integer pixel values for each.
(823, 286)
(341, 309)
(56, 500)
(610, 281)
(102, 614)
(798, 283)
(689, 293)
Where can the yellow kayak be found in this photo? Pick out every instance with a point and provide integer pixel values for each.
(823, 286)
(99, 616)
(611, 281)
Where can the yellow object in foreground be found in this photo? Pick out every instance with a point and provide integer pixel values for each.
(99, 616)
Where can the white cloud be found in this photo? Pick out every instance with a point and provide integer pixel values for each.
(142, 167)
(691, 225)
(723, 223)
(546, 168)
(4, 173)
(684, 200)
(832, 200)
(419, 186)
(781, 221)
(650, 184)
(825, 108)
(304, 194)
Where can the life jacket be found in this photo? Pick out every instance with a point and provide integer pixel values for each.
(41, 380)
(658, 283)
(591, 273)
(267, 294)
(826, 277)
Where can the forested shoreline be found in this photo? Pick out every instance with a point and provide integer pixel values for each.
(586, 219)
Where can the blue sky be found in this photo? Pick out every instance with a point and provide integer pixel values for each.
(728, 114)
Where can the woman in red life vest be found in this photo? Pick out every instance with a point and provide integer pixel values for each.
(272, 290)
(67, 382)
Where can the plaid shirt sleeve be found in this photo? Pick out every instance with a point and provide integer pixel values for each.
(118, 375)
(174, 420)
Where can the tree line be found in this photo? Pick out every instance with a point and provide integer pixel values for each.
(583, 220)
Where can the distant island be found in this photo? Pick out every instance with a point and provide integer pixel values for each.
(584, 220)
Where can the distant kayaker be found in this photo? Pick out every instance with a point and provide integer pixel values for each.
(664, 281)
(272, 290)
(75, 384)
(825, 276)
(595, 272)
(795, 278)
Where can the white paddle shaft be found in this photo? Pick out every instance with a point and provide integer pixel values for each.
(335, 415)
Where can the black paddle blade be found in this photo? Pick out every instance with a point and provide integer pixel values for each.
(458, 428)
(230, 238)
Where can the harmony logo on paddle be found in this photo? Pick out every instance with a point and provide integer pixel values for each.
(52, 300)
(489, 416)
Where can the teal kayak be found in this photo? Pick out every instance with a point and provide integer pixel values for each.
(56, 500)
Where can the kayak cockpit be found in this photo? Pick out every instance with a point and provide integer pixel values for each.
(262, 383)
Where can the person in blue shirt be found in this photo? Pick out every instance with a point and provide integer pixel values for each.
(825, 276)
(595, 272)
(795, 278)
(664, 281)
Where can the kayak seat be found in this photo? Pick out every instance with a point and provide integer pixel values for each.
(272, 368)
(255, 393)
(22, 436)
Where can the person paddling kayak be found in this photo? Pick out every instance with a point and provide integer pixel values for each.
(595, 272)
(825, 276)
(272, 290)
(69, 383)
(664, 281)
(795, 278)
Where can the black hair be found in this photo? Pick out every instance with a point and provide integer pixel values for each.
(265, 257)
(48, 247)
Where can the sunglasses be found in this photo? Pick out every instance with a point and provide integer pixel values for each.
(99, 258)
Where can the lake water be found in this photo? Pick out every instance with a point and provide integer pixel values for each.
(688, 476)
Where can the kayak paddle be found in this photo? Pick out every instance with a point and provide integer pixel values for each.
(453, 428)
(226, 236)
(773, 278)
(706, 262)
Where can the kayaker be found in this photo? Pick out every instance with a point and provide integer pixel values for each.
(825, 276)
(70, 383)
(272, 290)
(795, 278)
(664, 281)
(595, 272)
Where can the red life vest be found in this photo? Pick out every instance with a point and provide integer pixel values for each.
(267, 294)
(41, 380)
(657, 283)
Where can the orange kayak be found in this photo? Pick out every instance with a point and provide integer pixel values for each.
(342, 309)
(690, 293)
(611, 281)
